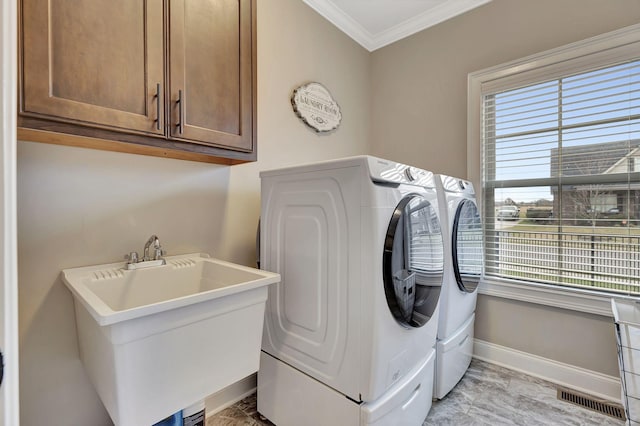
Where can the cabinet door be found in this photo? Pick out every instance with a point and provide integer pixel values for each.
(94, 62)
(211, 72)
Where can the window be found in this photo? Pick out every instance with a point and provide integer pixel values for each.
(558, 137)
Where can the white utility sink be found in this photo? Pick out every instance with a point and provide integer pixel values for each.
(156, 340)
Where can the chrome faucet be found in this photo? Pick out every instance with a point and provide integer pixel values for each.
(136, 263)
(156, 246)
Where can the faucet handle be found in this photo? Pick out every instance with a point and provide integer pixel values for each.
(132, 257)
(159, 252)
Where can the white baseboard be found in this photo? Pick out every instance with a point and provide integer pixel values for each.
(570, 376)
(231, 394)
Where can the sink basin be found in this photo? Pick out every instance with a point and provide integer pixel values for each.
(113, 294)
(156, 340)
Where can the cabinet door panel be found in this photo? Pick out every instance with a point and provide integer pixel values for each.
(97, 62)
(211, 65)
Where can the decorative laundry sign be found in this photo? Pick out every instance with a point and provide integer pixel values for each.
(315, 106)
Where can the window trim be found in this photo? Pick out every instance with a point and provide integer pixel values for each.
(594, 52)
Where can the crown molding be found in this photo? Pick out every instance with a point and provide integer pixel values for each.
(344, 22)
(370, 41)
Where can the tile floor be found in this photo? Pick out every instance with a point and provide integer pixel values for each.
(486, 395)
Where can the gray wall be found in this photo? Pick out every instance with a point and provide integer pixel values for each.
(81, 207)
(569, 337)
(419, 116)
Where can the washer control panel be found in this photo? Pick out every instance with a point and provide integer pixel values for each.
(385, 171)
(460, 186)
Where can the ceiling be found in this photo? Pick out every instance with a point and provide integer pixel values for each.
(376, 23)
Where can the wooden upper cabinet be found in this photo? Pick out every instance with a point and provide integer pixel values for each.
(84, 63)
(210, 71)
(172, 78)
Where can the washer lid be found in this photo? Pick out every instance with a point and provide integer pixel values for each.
(466, 246)
(413, 261)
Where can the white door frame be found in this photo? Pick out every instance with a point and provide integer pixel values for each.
(9, 393)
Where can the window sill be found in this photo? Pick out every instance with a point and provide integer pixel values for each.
(542, 294)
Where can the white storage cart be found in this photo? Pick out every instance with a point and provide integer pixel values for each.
(626, 314)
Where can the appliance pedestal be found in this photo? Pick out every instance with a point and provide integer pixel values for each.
(453, 356)
(286, 401)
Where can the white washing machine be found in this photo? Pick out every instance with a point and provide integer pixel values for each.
(350, 330)
(462, 270)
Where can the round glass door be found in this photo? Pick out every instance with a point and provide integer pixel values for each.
(467, 246)
(413, 261)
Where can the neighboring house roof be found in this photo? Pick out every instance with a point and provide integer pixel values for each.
(621, 166)
(592, 159)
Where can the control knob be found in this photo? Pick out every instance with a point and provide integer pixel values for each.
(409, 174)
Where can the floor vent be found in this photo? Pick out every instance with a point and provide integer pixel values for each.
(590, 402)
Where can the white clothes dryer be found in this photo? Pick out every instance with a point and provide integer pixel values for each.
(463, 266)
(350, 330)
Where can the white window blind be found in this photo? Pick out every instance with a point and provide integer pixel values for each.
(561, 180)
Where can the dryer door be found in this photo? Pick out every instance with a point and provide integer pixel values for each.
(413, 261)
(466, 246)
